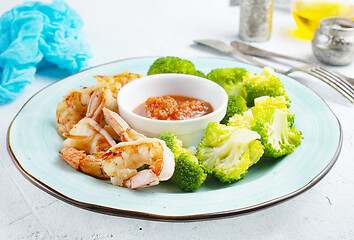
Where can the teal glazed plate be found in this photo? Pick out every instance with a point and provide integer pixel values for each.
(266, 183)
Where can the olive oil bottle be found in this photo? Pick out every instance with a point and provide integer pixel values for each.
(308, 14)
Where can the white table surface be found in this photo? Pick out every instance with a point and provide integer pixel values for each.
(124, 29)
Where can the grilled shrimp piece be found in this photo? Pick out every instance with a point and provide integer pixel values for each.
(117, 81)
(73, 107)
(87, 141)
(89, 164)
(87, 134)
(122, 161)
(120, 126)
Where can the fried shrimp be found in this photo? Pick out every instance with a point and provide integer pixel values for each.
(87, 134)
(73, 107)
(87, 118)
(87, 141)
(84, 150)
(80, 161)
(122, 161)
(120, 126)
(117, 81)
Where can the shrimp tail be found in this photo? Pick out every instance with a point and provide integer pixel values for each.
(72, 156)
(89, 164)
(94, 110)
(120, 126)
(144, 178)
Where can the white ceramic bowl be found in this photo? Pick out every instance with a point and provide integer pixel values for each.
(189, 131)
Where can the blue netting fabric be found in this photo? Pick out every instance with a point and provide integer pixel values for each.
(36, 35)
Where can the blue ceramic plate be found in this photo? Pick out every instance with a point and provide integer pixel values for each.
(266, 183)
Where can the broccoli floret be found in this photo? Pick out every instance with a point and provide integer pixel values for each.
(230, 79)
(174, 65)
(188, 174)
(172, 142)
(265, 84)
(227, 152)
(244, 121)
(235, 105)
(239, 120)
(270, 103)
(272, 120)
(274, 123)
(256, 151)
(199, 74)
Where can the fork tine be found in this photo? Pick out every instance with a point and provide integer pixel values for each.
(337, 77)
(335, 80)
(348, 93)
(344, 88)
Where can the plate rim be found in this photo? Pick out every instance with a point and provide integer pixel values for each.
(158, 217)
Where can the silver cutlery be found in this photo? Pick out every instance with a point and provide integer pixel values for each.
(338, 81)
(234, 52)
(254, 51)
(332, 78)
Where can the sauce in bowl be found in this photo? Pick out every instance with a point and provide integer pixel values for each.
(173, 107)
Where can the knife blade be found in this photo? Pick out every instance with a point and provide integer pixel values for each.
(228, 49)
(254, 51)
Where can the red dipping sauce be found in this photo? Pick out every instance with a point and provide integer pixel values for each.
(171, 107)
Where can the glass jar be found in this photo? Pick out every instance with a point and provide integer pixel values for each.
(308, 13)
(256, 20)
(333, 42)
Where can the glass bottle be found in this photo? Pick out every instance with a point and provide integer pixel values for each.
(308, 13)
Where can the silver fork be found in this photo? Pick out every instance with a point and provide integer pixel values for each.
(331, 78)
